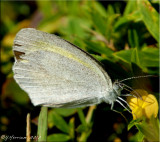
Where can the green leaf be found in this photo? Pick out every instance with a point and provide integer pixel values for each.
(110, 10)
(125, 20)
(131, 6)
(98, 48)
(85, 133)
(50, 120)
(75, 28)
(72, 7)
(124, 55)
(135, 56)
(99, 58)
(42, 124)
(81, 116)
(149, 57)
(59, 122)
(109, 24)
(150, 129)
(65, 111)
(132, 123)
(139, 136)
(150, 17)
(72, 127)
(58, 137)
(99, 22)
(133, 38)
(99, 8)
(146, 57)
(81, 128)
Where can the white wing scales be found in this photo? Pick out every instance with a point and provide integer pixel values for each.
(55, 73)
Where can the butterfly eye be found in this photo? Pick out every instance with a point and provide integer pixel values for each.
(118, 84)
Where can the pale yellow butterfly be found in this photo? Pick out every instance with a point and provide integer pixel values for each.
(56, 73)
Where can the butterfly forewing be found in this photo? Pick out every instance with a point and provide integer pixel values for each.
(56, 73)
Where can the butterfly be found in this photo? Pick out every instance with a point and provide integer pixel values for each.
(56, 73)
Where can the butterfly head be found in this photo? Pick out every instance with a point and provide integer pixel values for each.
(114, 93)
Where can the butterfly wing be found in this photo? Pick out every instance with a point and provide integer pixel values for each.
(56, 73)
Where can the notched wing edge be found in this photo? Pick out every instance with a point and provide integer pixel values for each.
(18, 54)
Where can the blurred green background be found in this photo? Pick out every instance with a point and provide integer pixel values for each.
(123, 35)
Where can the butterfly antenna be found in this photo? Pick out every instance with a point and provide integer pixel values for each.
(135, 77)
(132, 90)
(127, 95)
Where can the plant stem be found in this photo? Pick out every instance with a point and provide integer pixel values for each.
(28, 129)
(88, 119)
(81, 116)
(42, 124)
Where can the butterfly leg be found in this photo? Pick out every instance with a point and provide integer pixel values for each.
(112, 105)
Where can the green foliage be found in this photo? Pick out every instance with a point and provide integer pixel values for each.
(98, 48)
(42, 124)
(122, 35)
(58, 137)
(18, 95)
(55, 119)
(144, 58)
(132, 123)
(65, 112)
(150, 17)
(150, 129)
(59, 122)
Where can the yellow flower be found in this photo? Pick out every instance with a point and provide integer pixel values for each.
(146, 106)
